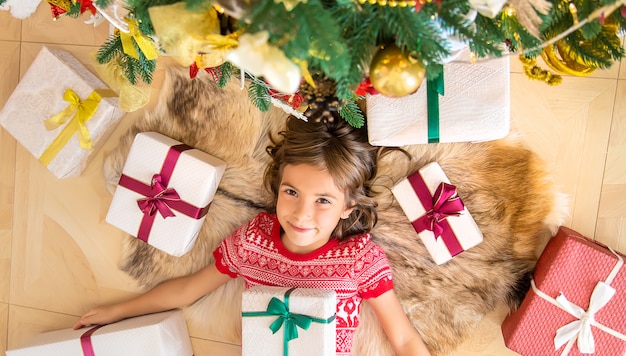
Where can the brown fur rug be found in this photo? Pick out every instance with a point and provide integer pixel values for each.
(503, 185)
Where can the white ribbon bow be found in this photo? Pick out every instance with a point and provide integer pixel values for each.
(581, 328)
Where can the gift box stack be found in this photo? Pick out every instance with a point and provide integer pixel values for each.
(437, 213)
(576, 302)
(469, 103)
(288, 321)
(165, 192)
(160, 334)
(60, 112)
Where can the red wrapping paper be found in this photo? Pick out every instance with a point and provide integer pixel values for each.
(570, 264)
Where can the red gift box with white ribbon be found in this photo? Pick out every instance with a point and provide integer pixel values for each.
(434, 208)
(576, 302)
(164, 192)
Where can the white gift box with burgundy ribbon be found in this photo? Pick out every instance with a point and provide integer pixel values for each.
(160, 334)
(164, 192)
(437, 213)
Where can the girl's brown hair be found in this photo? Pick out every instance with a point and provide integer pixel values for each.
(342, 150)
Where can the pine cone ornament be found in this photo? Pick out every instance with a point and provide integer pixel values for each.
(321, 100)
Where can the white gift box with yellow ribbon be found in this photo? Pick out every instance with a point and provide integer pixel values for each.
(160, 334)
(61, 112)
(264, 309)
(475, 106)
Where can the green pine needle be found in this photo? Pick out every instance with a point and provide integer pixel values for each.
(109, 50)
(103, 3)
(351, 112)
(74, 10)
(258, 94)
(134, 69)
(225, 72)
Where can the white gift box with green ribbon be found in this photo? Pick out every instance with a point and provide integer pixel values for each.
(471, 104)
(288, 321)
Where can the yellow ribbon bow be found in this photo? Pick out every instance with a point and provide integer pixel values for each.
(145, 44)
(82, 110)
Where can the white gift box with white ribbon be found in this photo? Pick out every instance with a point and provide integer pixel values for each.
(475, 106)
(160, 334)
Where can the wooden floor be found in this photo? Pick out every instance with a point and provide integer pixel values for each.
(58, 256)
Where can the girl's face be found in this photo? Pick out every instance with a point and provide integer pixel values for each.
(309, 207)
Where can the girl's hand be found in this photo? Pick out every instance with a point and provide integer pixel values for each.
(175, 293)
(106, 314)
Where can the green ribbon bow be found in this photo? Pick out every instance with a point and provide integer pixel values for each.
(292, 321)
(434, 88)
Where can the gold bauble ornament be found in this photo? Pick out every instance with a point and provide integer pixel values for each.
(563, 62)
(395, 74)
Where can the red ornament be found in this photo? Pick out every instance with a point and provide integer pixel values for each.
(366, 88)
(623, 11)
(56, 11)
(214, 72)
(87, 5)
(193, 70)
(59, 8)
(294, 100)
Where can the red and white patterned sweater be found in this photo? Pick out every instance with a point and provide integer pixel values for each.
(355, 268)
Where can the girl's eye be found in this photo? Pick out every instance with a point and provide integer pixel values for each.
(323, 201)
(291, 192)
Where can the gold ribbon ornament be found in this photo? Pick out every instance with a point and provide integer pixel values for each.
(192, 34)
(145, 44)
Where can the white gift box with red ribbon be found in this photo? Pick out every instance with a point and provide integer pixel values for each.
(437, 213)
(164, 192)
(160, 334)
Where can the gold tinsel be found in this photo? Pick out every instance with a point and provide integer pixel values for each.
(533, 71)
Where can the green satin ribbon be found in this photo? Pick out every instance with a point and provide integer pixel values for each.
(285, 317)
(434, 88)
(82, 111)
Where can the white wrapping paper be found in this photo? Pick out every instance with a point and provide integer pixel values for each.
(161, 334)
(318, 340)
(39, 96)
(195, 178)
(464, 227)
(475, 107)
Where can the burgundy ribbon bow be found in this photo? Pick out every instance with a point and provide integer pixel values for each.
(159, 199)
(442, 204)
(445, 203)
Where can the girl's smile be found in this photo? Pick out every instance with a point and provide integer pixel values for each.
(309, 207)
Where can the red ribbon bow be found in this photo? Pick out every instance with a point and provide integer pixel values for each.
(158, 196)
(442, 204)
(445, 203)
(159, 199)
